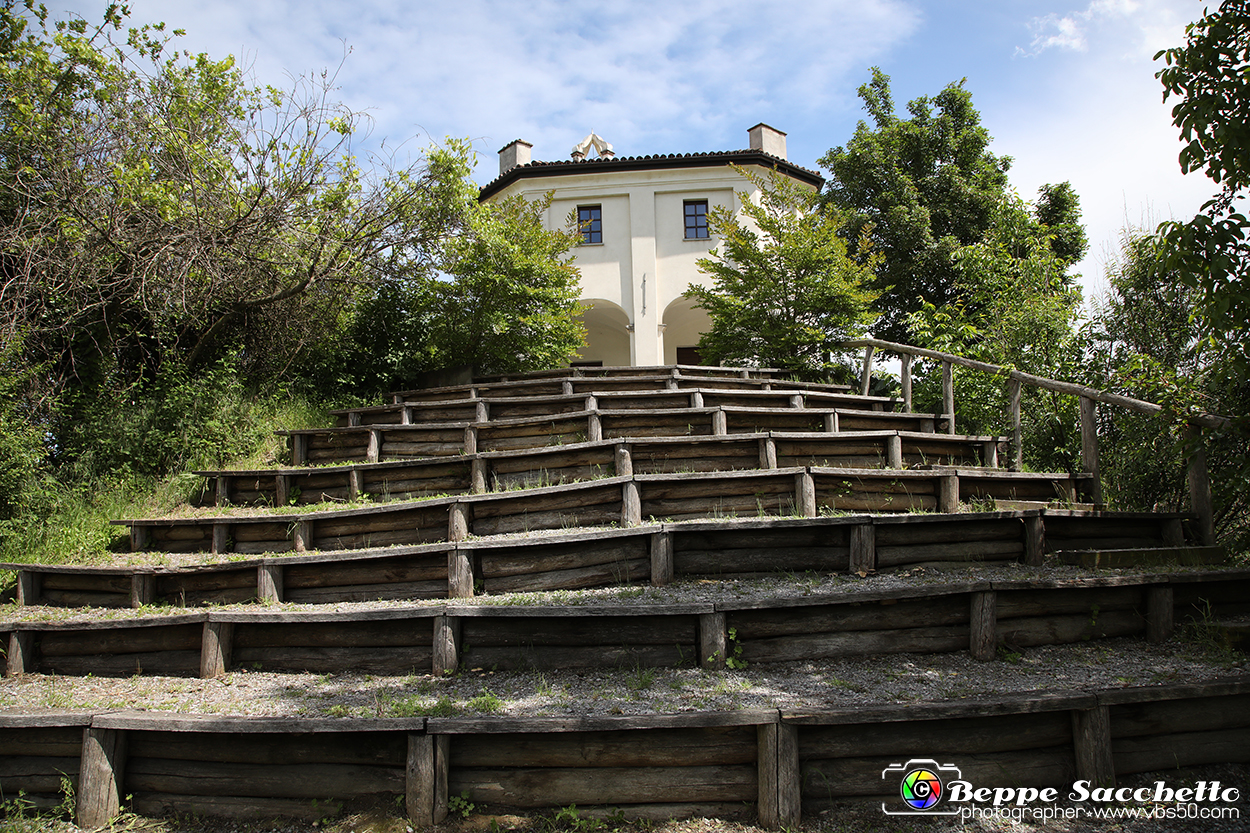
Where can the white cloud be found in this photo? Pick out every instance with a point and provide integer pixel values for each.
(1068, 31)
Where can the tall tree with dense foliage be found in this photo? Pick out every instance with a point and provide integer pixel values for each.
(922, 187)
(1210, 79)
(787, 289)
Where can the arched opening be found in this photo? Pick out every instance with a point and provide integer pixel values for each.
(683, 325)
(607, 334)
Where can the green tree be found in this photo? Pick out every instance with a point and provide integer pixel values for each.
(511, 303)
(922, 187)
(1208, 76)
(787, 290)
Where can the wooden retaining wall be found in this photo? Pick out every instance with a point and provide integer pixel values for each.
(976, 616)
(773, 767)
(487, 408)
(375, 443)
(626, 500)
(655, 553)
(551, 465)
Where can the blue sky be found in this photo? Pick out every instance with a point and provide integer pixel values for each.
(1067, 89)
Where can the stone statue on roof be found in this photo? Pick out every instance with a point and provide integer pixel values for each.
(596, 141)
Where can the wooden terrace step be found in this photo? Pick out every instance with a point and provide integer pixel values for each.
(625, 500)
(549, 465)
(483, 409)
(438, 639)
(375, 443)
(658, 553)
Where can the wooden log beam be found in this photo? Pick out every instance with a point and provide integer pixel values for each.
(780, 780)
(863, 548)
(1034, 541)
(216, 646)
(631, 504)
(805, 494)
(983, 640)
(459, 521)
(459, 574)
(373, 452)
(269, 583)
(419, 779)
(282, 489)
(142, 589)
(865, 375)
(768, 453)
(1199, 484)
(831, 422)
(100, 776)
(894, 451)
(470, 440)
(446, 645)
(661, 558)
(221, 539)
(1089, 448)
(719, 423)
(1159, 613)
(20, 656)
(713, 641)
(477, 476)
(594, 427)
(302, 536)
(624, 460)
(948, 396)
(299, 449)
(29, 587)
(948, 493)
(906, 374)
(1091, 736)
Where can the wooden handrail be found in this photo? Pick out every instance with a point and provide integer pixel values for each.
(1138, 405)
(1196, 465)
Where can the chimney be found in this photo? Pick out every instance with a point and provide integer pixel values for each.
(518, 153)
(768, 139)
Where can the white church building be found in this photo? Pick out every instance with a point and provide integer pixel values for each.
(644, 227)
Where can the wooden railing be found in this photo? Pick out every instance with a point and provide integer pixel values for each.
(1196, 464)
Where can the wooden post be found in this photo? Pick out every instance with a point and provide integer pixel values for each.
(624, 461)
(948, 396)
(1034, 541)
(221, 495)
(831, 422)
(269, 583)
(29, 587)
(983, 641)
(142, 589)
(481, 413)
(1200, 485)
(713, 641)
(21, 653)
(1173, 532)
(594, 428)
(894, 451)
(419, 779)
(477, 476)
(405, 415)
(139, 537)
(768, 453)
(353, 419)
(459, 521)
(303, 536)
(796, 400)
(720, 425)
(696, 399)
(100, 775)
(631, 504)
(459, 574)
(805, 494)
(221, 539)
(282, 489)
(661, 558)
(446, 645)
(1089, 448)
(470, 440)
(355, 484)
(907, 383)
(1159, 613)
(948, 493)
(989, 454)
(865, 377)
(780, 781)
(1091, 735)
(216, 645)
(299, 449)
(1017, 436)
(863, 548)
(591, 403)
(374, 452)
(442, 765)
(566, 388)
